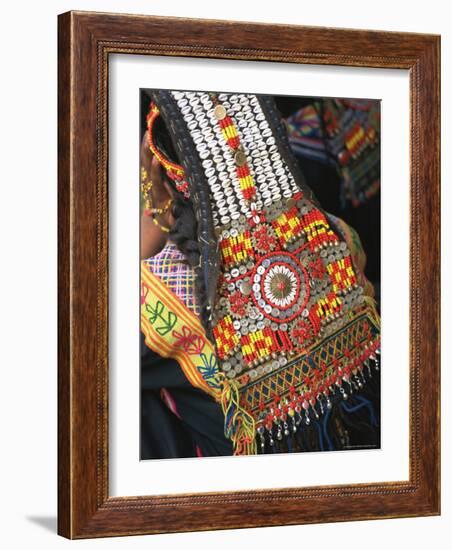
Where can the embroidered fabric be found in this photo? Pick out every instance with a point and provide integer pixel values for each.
(171, 266)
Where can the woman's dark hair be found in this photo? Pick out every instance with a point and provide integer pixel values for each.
(184, 232)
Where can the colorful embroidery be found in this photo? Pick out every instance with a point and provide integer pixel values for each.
(172, 330)
(171, 266)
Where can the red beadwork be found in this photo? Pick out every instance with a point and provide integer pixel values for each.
(302, 331)
(238, 303)
(317, 269)
(263, 240)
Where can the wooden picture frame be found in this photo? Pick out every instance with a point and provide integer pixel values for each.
(85, 42)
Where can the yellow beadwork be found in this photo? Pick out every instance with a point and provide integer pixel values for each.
(328, 305)
(226, 337)
(287, 226)
(235, 250)
(341, 274)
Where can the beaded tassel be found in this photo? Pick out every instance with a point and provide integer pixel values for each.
(231, 136)
(174, 171)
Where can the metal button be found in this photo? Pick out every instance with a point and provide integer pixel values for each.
(219, 112)
(245, 288)
(240, 158)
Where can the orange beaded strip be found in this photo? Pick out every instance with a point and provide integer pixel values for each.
(317, 230)
(229, 132)
(232, 138)
(173, 170)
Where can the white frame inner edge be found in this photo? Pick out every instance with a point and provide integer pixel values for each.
(130, 476)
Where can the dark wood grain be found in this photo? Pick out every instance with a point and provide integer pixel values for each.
(86, 40)
(64, 294)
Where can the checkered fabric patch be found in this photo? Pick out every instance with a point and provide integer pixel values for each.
(171, 266)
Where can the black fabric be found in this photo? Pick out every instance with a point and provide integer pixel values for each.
(163, 434)
(209, 266)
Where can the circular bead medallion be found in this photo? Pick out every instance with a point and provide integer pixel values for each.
(281, 286)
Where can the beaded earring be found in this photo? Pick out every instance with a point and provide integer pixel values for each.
(174, 171)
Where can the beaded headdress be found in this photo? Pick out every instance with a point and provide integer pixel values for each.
(290, 322)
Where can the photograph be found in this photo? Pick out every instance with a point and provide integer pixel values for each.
(260, 273)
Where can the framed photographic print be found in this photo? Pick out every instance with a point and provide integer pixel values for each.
(248, 275)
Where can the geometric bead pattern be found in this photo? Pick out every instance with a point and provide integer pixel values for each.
(334, 348)
(328, 305)
(238, 249)
(260, 344)
(226, 337)
(316, 229)
(296, 293)
(341, 274)
(287, 225)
